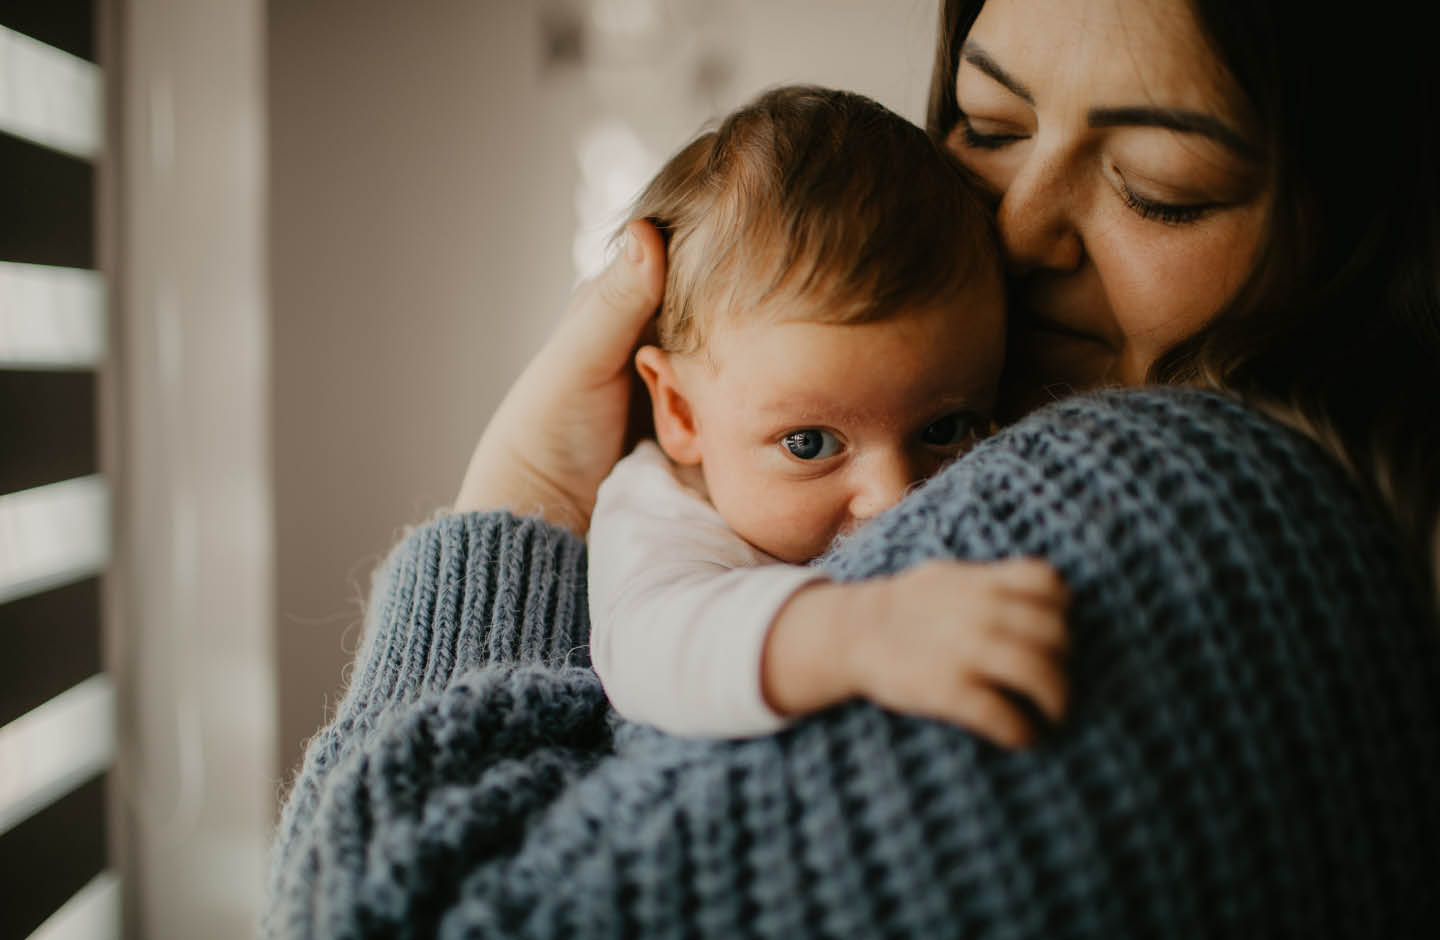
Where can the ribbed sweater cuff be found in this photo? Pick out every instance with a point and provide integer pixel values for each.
(467, 590)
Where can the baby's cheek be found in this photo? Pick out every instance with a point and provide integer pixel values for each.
(787, 522)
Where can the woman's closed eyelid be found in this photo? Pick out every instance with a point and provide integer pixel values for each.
(1160, 209)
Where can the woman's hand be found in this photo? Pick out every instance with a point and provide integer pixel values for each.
(563, 424)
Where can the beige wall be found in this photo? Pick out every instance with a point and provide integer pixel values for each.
(422, 174)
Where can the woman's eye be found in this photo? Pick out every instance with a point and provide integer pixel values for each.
(811, 444)
(1167, 212)
(951, 430)
(984, 141)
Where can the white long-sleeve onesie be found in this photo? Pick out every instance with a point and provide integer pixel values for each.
(680, 604)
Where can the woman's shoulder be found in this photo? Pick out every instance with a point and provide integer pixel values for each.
(1254, 674)
(1164, 430)
(1125, 484)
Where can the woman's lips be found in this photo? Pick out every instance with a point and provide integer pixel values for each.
(1073, 305)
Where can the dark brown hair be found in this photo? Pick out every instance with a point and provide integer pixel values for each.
(825, 195)
(1337, 330)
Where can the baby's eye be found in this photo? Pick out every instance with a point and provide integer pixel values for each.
(811, 444)
(952, 430)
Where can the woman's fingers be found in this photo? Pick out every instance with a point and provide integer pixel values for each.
(605, 319)
(562, 425)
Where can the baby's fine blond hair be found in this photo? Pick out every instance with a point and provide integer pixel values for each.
(826, 196)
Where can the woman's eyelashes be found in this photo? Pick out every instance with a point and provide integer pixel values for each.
(984, 141)
(1169, 213)
(1146, 208)
(811, 444)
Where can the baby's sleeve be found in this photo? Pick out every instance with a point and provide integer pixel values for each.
(680, 605)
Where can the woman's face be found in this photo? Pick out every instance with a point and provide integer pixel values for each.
(1131, 194)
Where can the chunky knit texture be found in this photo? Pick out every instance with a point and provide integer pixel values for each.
(1253, 748)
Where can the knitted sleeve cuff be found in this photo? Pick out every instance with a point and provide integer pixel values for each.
(468, 590)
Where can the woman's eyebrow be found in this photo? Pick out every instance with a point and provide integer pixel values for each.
(1175, 119)
(982, 60)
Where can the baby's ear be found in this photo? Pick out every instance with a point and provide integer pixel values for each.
(675, 426)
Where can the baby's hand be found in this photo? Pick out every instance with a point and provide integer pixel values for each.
(957, 641)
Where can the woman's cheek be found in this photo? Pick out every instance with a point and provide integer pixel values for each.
(1167, 287)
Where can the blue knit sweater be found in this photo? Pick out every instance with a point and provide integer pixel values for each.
(1253, 747)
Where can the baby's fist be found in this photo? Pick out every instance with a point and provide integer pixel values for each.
(962, 642)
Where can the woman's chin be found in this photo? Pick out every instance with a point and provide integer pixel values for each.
(1046, 365)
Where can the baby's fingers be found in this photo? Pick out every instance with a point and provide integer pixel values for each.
(1026, 621)
(1033, 673)
(1034, 579)
(989, 713)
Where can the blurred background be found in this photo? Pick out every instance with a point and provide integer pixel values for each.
(265, 270)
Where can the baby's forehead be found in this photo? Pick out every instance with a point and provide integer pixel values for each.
(737, 314)
(810, 362)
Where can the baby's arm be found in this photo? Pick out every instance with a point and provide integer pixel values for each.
(691, 631)
(679, 608)
(950, 640)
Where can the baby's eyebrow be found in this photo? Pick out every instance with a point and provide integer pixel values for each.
(799, 409)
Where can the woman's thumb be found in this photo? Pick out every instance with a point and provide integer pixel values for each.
(633, 285)
(609, 313)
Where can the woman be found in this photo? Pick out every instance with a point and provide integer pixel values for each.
(1254, 738)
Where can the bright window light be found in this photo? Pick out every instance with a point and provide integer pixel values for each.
(92, 914)
(50, 97)
(53, 748)
(50, 318)
(53, 534)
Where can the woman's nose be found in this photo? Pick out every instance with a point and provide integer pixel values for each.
(1037, 216)
(883, 482)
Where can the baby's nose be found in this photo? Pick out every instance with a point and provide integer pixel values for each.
(883, 483)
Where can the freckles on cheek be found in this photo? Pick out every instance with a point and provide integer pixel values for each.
(1165, 293)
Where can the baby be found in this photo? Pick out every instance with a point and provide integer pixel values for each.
(832, 333)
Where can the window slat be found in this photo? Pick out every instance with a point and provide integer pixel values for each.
(50, 750)
(92, 914)
(51, 318)
(49, 96)
(53, 535)
(50, 857)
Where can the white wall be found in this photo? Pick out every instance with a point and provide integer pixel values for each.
(423, 174)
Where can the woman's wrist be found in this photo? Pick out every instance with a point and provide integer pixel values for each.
(507, 481)
(562, 424)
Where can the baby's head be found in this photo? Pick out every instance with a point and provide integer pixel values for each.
(833, 323)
